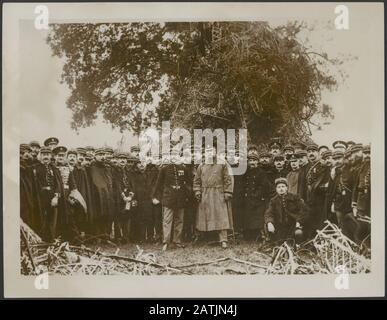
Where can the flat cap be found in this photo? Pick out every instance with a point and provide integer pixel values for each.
(108, 150)
(99, 151)
(312, 147)
(253, 157)
(339, 144)
(90, 148)
(51, 140)
(72, 151)
(281, 180)
(81, 150)
(325, 154)
(45, 150)
(322, 147)
(135, 149)
(34, 144)
(293, 158)
(279, 157)
(301, 153)
(356, 147)
(59, 149)
(337, 154)
(265, 154)
(288, 147)
(367, 148)
(25, 147)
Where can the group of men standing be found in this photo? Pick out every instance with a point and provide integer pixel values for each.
(286, 192)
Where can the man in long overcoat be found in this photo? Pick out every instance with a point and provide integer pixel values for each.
(213, 189)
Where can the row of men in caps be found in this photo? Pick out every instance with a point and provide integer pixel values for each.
(304, 169)
(333, 184)
(76, 192)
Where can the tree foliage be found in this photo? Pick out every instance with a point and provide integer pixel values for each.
(213, 75)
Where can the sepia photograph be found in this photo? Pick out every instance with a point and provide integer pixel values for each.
(172, 143)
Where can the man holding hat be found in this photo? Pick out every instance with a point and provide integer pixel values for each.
(285, 214)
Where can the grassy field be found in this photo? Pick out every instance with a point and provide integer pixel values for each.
(245, 256)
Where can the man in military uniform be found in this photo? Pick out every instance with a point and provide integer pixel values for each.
(213, 189)
(35, 147)
(265, 162)
(275, 148)
(81, 154)
(361, 196)
(279, 170)
(296, 183)
(321, 149)
(286, 213)
(298, 146)
(256, 196)
(340, 191)
(101, 183)
(172, 190)
(317, 179)
(49, 190)
(288, 151)
(339, 145)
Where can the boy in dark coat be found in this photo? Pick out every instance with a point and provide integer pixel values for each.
(286, 213)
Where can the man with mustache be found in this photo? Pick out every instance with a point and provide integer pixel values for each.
(49, 190)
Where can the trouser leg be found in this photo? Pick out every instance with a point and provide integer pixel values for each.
(167, 224)
(178, 222)
(340, 219)
(222, 235)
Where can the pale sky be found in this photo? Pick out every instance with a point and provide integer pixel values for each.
(43, 98)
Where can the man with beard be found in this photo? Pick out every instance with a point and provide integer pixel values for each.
(83, 216)
(256, 196)
(101, 183)
(172, 191)
(361, 196)
(213, 189)
(318, 180)
(35, 147)
(28, 213)
(66, 213)
(49, 190)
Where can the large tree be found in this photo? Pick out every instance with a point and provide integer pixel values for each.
(212, 75)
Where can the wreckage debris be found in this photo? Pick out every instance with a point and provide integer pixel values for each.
(329, 252)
